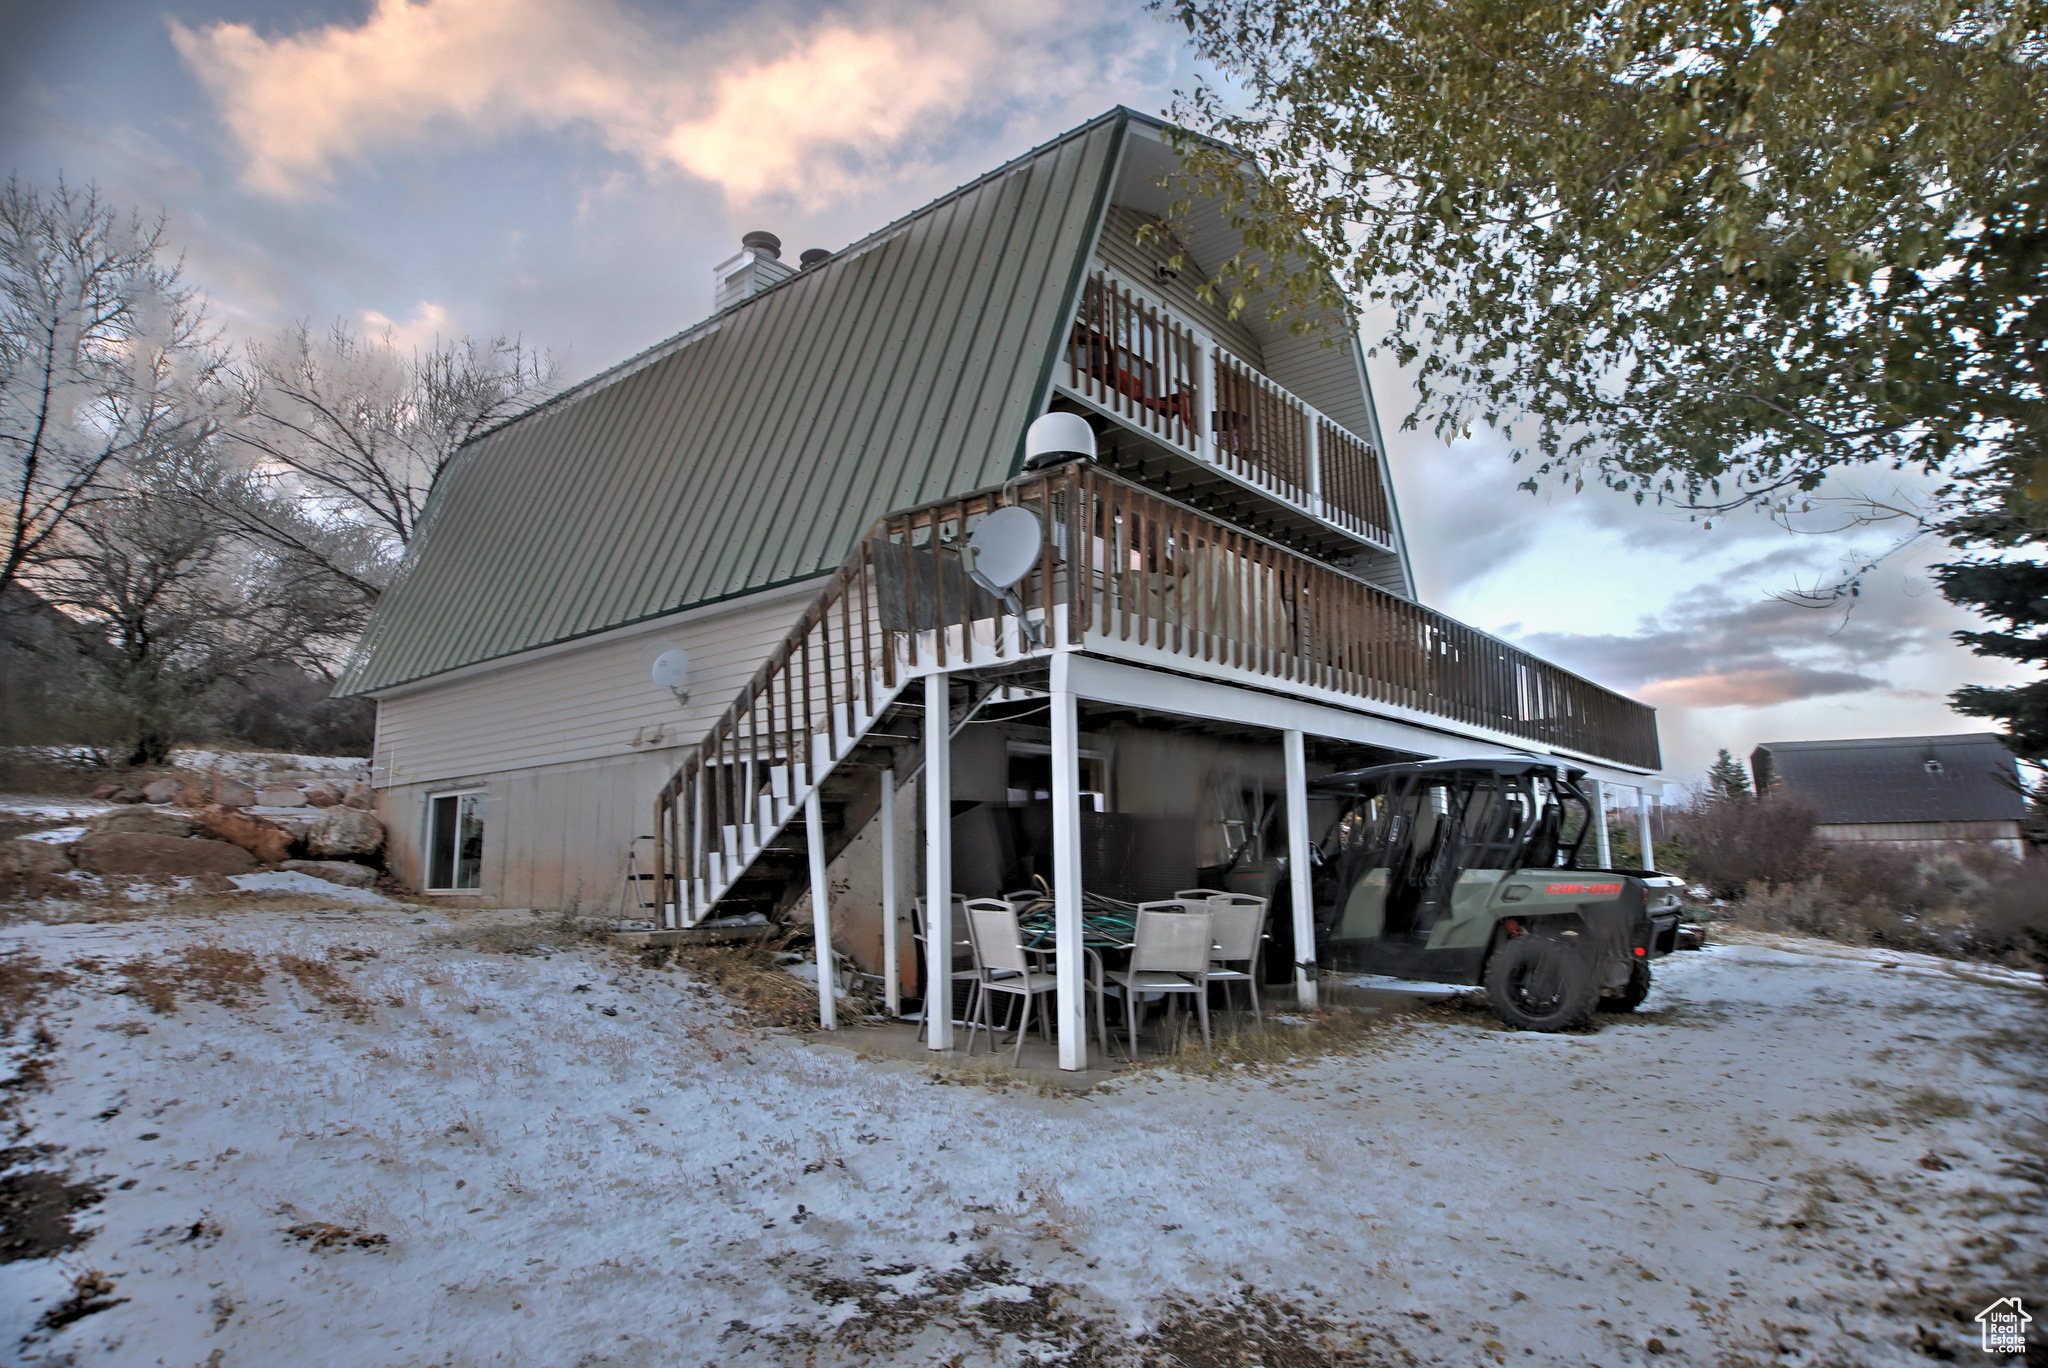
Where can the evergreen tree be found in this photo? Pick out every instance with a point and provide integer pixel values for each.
(1726, 778)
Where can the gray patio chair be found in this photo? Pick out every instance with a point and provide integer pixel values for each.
(1006, 968)
(1169, 954)
(1240, 931)
(961, 958)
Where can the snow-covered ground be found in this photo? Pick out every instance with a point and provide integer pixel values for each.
(393, 1135)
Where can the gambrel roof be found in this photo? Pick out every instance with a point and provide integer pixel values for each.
(755, 448)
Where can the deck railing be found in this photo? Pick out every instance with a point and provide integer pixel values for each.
(1130, 356)
(1120, 567)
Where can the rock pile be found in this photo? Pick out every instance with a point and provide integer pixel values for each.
(179, 825)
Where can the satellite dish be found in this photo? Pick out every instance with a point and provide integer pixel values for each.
(1006, 546)
(671, 671)
(1056, 437)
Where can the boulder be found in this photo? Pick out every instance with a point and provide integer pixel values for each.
(360, 796)
(126, 795)
(160, 790)
(33, 857)
(130, 852)
(346, 831)
(280, 795)
(190, 798)
(144, 821)
(233, 792)
(106, 791)
(345, 872)
(267, 841)
(322, 794)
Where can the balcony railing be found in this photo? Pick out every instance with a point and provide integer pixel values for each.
(1131, 357)
(1121, 570)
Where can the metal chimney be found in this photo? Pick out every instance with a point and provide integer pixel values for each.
(757, 266)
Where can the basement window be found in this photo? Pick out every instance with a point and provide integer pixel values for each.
(455, 842)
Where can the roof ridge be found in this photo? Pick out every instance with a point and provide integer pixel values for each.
(669, 346)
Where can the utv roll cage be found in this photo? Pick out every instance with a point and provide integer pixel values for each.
(1458, 814)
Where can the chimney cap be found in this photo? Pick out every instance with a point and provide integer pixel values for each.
(761, 240)
(812, 256)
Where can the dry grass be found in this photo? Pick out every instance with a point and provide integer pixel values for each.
(320, 978)
(328, 1235)
(1291, 1037)
(539, 934)
(23, 981)
(209, 973)
(750, 976)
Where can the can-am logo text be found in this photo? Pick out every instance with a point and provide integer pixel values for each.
(1596, 889)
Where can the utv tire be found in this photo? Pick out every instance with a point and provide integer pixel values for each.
(1631, 997)
(1539, 984)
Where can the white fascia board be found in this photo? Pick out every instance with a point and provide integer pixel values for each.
(1136, 686)
(798, 592)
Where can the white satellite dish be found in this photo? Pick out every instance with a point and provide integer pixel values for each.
(1006, 546)
(1056, 437)
(671, 671)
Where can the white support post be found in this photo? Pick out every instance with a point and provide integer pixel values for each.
(938, 863)
(892, 971)
(1205, 396)
(1300, 884)
(1596, 793)
(1070, 997)
(821, 913)
(1313, 421)
(1643, 828)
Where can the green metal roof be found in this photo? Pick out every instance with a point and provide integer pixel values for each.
(755, 448)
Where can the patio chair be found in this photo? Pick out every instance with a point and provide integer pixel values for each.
(1201, 894)
(1006, 968)
(1240, 931)
(1170, 954)
(961, 958)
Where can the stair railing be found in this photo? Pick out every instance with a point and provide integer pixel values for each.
(903, 601)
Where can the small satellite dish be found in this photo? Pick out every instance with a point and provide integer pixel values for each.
(671, 671)
(1056, 437)
(1006, 546)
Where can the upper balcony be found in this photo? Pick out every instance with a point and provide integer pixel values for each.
(1214, 431)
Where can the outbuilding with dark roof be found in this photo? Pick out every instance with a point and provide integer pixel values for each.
(1904, 790)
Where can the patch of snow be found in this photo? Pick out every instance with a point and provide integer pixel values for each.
(35, 809)
(296, 881)
(57, 835)
(575, 1158)
(267, 764)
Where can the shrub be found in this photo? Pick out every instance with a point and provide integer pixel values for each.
(1730, 843)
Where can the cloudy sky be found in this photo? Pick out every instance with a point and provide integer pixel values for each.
(570, 172)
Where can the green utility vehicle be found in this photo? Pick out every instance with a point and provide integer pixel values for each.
(1468, 871)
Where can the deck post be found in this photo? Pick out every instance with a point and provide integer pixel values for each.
(821, 912)
(938, 862)
(1596, 793)
(1205, 396)
(1643, 828)
(1070, 998)
(892, 971)
(1300, 886)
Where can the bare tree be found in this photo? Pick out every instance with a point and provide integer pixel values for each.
(184, 603)
(355, 435)
(104, 357)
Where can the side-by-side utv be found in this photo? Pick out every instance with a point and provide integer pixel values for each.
(1468, 871)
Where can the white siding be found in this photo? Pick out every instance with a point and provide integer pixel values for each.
(579, 705)
(549, 741)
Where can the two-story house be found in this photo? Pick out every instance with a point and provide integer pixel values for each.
(775, 506)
